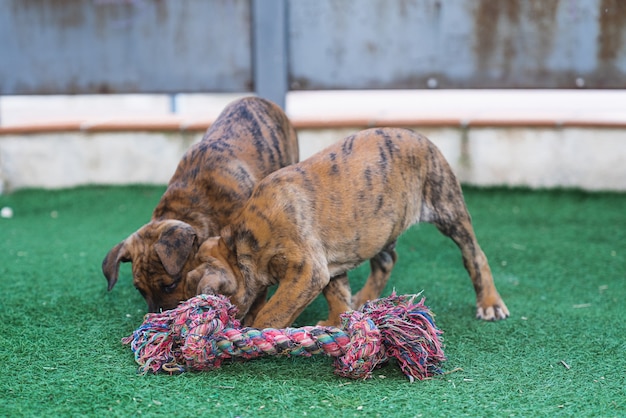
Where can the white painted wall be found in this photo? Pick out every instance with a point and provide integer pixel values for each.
(513, 154)
(586, 158)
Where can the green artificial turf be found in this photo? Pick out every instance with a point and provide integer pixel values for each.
(559, 260)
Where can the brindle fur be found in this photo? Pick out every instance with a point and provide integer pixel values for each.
(250, 139)
(307, 225)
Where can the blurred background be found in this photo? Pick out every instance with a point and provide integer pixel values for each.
(514, 92)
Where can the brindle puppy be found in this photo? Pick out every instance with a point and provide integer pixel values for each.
(306, 225)
(250, 139)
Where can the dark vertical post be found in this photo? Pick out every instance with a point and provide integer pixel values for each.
(269, 45)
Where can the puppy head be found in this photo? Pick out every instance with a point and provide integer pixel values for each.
(161, 253)
(218, 272)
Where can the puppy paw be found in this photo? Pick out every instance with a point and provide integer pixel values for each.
(494, 312)
(328, 323)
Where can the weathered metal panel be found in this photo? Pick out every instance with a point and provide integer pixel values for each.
(457, 44)
(124, 46)
(168, 46)
(270, 50)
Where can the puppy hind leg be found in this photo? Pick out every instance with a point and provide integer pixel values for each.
(453, 220)
(338, 295)
(380, 271)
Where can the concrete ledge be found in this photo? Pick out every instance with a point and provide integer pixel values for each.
(179, 124)
(591, 158)
(490, 139)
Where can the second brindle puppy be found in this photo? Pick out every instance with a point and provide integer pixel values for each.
(306, 225)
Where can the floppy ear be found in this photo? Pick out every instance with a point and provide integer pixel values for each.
(227, 250)
(174, 247)
(111, 263)
(227, 236)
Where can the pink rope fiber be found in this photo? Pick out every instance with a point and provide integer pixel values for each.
(202, 332)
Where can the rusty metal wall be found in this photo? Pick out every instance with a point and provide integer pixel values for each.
(169, 46)
(124, 46)
(457, 44)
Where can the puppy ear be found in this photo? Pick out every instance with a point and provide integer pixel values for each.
(174, 247)
(227, 237)
(228, 253)
(111, 263)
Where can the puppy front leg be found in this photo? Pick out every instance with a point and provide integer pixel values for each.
(301, 283)
(338, 295)
(256, 307)
(380, 270)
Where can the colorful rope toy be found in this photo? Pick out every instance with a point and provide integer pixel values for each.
(202, 332)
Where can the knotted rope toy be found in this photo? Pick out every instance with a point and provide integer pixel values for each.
(202, 332)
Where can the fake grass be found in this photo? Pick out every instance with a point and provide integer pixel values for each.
(559, 259)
